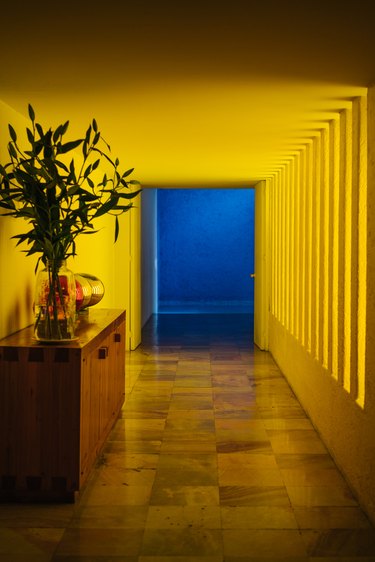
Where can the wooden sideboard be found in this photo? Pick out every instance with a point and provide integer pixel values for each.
(58, 403)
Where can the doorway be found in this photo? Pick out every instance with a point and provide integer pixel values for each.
(198, 251)
(205, 250)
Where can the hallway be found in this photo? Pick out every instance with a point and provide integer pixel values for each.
(212, 460)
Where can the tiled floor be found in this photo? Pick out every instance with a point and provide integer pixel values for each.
(213, 460)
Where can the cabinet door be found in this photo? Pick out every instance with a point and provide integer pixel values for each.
(102, 394)
(39, 421)
(91, 397)
(117, 367)
(111, 376)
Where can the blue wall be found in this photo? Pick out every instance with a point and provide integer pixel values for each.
(205, 250)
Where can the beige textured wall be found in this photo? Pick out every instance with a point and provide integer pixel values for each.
(321, 268)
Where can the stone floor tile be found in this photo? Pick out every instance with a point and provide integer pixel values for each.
(254, 495)
(246, 459)
(180, 516)
(340, 542)
(116, 495)
(313, 496)
(331, 518)
(100, 542)
(32, 515)
(182, 542)
(30, 541)
(264, 543)
(258, 517)
(110, 517)
(250, 476)
(188, 445)
(185, 495)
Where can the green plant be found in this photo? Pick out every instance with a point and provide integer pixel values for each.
(58, 198)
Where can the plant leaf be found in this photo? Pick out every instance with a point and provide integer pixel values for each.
(127, 173)
(68, 146)
(12, 150)
(129, 195)
(31, 113)
(64, 128)
(38, 147)
(85, 149)
(96, 164)
(107, 206)
(73, 190)
(57, 133)
(61, 165)
(12, 132)
(88, 134)
(39, 129)
(30, 136)
(87, 172)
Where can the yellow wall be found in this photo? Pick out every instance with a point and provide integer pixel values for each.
(96, 254)
(16, 271)
(319, 208)
(127, 274)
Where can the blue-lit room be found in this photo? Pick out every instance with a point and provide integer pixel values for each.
(197, 251)
(205, 250)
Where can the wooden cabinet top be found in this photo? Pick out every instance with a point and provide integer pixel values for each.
(94, 323)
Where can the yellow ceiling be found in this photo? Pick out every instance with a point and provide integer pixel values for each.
(192, 94)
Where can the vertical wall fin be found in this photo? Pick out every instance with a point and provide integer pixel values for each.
(308, 246)
(362, 248)
(318, 230)
(335, 196)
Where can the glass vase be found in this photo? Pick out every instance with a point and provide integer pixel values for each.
(55, 303)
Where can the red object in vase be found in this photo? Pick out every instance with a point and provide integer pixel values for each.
(79, 295)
